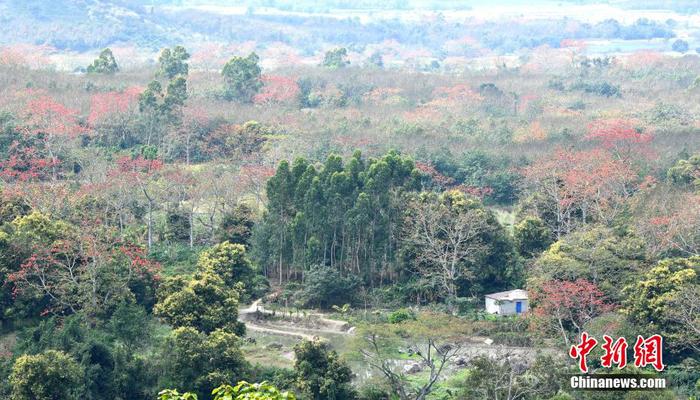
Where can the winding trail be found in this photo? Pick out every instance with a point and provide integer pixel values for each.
(335, 327)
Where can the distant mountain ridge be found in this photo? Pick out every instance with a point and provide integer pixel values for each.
(88, 25)
(80, 24)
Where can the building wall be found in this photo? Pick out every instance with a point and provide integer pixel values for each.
(491, 306)
(504, 308)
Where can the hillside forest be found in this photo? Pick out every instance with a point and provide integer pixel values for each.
(293, 204)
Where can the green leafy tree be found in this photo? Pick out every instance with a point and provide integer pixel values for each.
(661, 300)
(325, 287)
(236, 225)
(104, 63)
(251, 391)
(321, 374)
(204, 303)
(172, 63)
(532, 236)
(242, 78)
(129, 325)
(454, 240)
(230, 262)
(606, 257)
(686, 172)
(162, 109)
(172, 394)
(110, 367)
(175, 95)
(37, 230)
(52, 375)
(154, 100)
(342, 215)
(242, 391)
(203, 362)
(336, 58)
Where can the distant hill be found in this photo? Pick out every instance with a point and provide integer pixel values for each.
(86, 25)
(81, 24)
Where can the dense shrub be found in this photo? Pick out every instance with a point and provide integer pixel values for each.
(326, 286)
(398, 316)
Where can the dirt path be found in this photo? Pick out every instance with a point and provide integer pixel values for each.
(336, 327)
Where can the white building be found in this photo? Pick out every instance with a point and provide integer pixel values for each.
(507, 303)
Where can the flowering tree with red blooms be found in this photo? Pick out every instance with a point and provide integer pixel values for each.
(26, 163)
(277, 89)
(620, 136)
(599, 183)
(53, 124)
(578, 186)
(86, 272)
(109, 104)
(566, 306)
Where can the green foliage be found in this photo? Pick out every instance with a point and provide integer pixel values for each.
(648, 299)
(177, 226)
(342, 310)
(686, 172)
(111, 362)
(398, 316)
(605, 89)
(230, 262)
(172, 63)
(336, 58)
(37, 229)
(669, 116)
(172, 394)
(343, 215)
(664, 300)
(242, 391)
(104, 63)
(607, 257)
(129, 324)
(51, 375)
(684, 377)
(479, 169)
(482, 260)
(251, 391)
(325, 287)
(242, 78)
(236, 226)
(321, 374)
(163, 104)
(532, 236)
(204, 303)
(203, 362)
